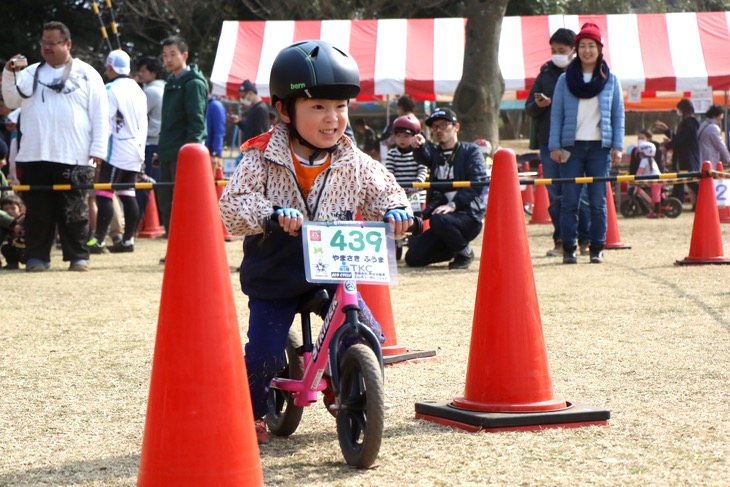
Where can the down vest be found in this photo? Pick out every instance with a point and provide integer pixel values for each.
(273, 267)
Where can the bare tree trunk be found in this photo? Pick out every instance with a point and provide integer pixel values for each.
(480, 90)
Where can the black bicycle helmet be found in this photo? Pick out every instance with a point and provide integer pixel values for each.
(314, 69)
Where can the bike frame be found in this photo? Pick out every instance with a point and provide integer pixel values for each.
(340, 322)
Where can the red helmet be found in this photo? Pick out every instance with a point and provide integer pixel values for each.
(408, 124)
(484, 145)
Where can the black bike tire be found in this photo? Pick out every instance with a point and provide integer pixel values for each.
(361, 416)
(629, 208)
(676, 207)
(283, 417)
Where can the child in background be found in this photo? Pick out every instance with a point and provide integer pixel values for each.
(403, 165)
(649, 167)
(305, 168)
(12, 238)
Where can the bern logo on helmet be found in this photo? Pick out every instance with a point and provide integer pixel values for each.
(297, 86)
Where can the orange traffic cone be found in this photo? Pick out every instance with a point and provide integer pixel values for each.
(540, 214)
(725, 210)
(508, 383)
(378, 300)
(150, 226)
(706, 245)
(528, 194)
(199, 428)
(219, 191)
(613, 236)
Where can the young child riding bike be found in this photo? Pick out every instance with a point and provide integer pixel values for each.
(304, 168)
(649, 167)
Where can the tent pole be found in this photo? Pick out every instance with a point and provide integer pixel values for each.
(727, 128)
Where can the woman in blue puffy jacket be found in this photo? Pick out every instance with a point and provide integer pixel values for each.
(586, 136)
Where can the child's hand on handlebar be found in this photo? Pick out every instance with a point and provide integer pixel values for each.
(400, 220)
(290, 220)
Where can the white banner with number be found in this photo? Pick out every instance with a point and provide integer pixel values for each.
(361, 251)
(721, 187)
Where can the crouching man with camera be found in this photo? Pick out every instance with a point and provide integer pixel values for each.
(65, 133)
(456, 214)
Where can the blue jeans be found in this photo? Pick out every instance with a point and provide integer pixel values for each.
(551, 170)
(587, 158)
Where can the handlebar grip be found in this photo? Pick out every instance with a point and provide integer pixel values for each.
(416, 228)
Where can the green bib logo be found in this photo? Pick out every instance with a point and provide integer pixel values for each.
(297, 86)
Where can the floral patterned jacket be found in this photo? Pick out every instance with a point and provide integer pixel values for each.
(266, 180)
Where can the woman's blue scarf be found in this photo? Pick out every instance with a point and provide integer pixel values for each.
(581, 89)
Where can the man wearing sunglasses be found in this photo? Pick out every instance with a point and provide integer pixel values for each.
(455, 214)
(65, 134)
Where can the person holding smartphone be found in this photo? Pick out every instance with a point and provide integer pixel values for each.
(537, 106)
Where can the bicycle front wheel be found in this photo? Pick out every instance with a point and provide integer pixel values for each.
(672, 207)
(361, 414)
(283, 416)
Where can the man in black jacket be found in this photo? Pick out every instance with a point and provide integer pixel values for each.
(456, 214)
(256, 120)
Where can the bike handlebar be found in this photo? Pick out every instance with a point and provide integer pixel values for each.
(272, 225)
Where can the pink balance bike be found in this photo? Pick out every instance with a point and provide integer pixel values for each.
(345, 363)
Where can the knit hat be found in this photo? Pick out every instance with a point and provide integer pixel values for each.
(589, 31)
(119, 62)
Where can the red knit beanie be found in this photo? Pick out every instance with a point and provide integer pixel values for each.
(589, 31)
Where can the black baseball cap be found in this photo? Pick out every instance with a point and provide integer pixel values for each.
(443, 114)
(247, 86)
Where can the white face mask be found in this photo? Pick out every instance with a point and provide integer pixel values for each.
(561, 60)
(246, 102)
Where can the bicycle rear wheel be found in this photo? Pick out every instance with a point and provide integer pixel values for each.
(362, 408)
(283, 416)
(630, 208)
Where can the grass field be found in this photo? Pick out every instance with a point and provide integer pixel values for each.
(637, 335)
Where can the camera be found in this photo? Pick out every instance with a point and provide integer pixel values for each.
(19, 62)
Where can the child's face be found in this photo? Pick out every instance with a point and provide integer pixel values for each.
(320, 122)
(403, 139)
(12, 210)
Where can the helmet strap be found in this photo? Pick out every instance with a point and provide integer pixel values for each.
(317, 150)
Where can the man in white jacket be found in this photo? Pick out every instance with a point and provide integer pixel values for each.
(65, 132)
(128, 134)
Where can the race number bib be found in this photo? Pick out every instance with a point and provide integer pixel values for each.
(361, 251)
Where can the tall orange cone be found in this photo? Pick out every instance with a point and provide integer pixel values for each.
(378, 300)
(528, 194)
(199, 428)
(706, 245)
(613, 236)
(540, 214)
(725, 210)
(508, 383)
(219, 191)
(150, 226)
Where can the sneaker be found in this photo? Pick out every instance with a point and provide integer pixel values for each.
(597, 257)
(36, 265)
(262, 435)
(569, 255)
(120, 247)
(557, 251)
(96, 247)
(584, 249)
(328, 396)
(80, 265)
(462, 261)
(654, 215)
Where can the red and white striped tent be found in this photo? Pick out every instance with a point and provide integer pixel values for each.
(424, 57)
